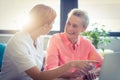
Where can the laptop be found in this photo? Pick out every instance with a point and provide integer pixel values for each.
(110, 69)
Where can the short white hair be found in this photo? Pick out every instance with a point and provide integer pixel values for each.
(81, 14)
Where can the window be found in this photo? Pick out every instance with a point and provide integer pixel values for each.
(13, 13)
(104, 12)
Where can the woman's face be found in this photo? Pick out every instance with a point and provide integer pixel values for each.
(46, 28)
(42, 25)
(73, 27)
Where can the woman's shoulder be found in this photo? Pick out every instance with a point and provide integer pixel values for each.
(21, 34)
(19, 37)
(56, 36)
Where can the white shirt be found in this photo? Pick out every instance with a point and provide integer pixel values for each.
(20, 55)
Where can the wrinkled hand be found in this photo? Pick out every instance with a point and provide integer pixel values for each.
(80, 67)
(84, 66)
(92, 74)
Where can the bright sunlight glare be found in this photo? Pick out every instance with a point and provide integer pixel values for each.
(22, 20)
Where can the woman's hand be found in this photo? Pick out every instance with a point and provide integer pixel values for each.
(92, 74)
(76, 69)
(81, 67)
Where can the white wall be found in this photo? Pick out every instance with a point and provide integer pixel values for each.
(14, 13)
(106, 12)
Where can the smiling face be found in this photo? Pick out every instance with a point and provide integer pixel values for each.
(73, 27)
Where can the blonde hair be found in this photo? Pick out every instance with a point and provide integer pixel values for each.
(81, 14)
(44, 12)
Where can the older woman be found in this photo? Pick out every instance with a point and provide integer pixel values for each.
(69, 45)
(22, 58)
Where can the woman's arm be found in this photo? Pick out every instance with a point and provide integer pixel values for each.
(47, 75)
(36, 74)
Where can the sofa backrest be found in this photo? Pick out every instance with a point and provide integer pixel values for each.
(2, 49)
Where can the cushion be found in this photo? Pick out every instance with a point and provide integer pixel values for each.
(2, 48)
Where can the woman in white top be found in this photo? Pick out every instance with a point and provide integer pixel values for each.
(23, 58)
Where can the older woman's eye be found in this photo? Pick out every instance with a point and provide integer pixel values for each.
(75, 26)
